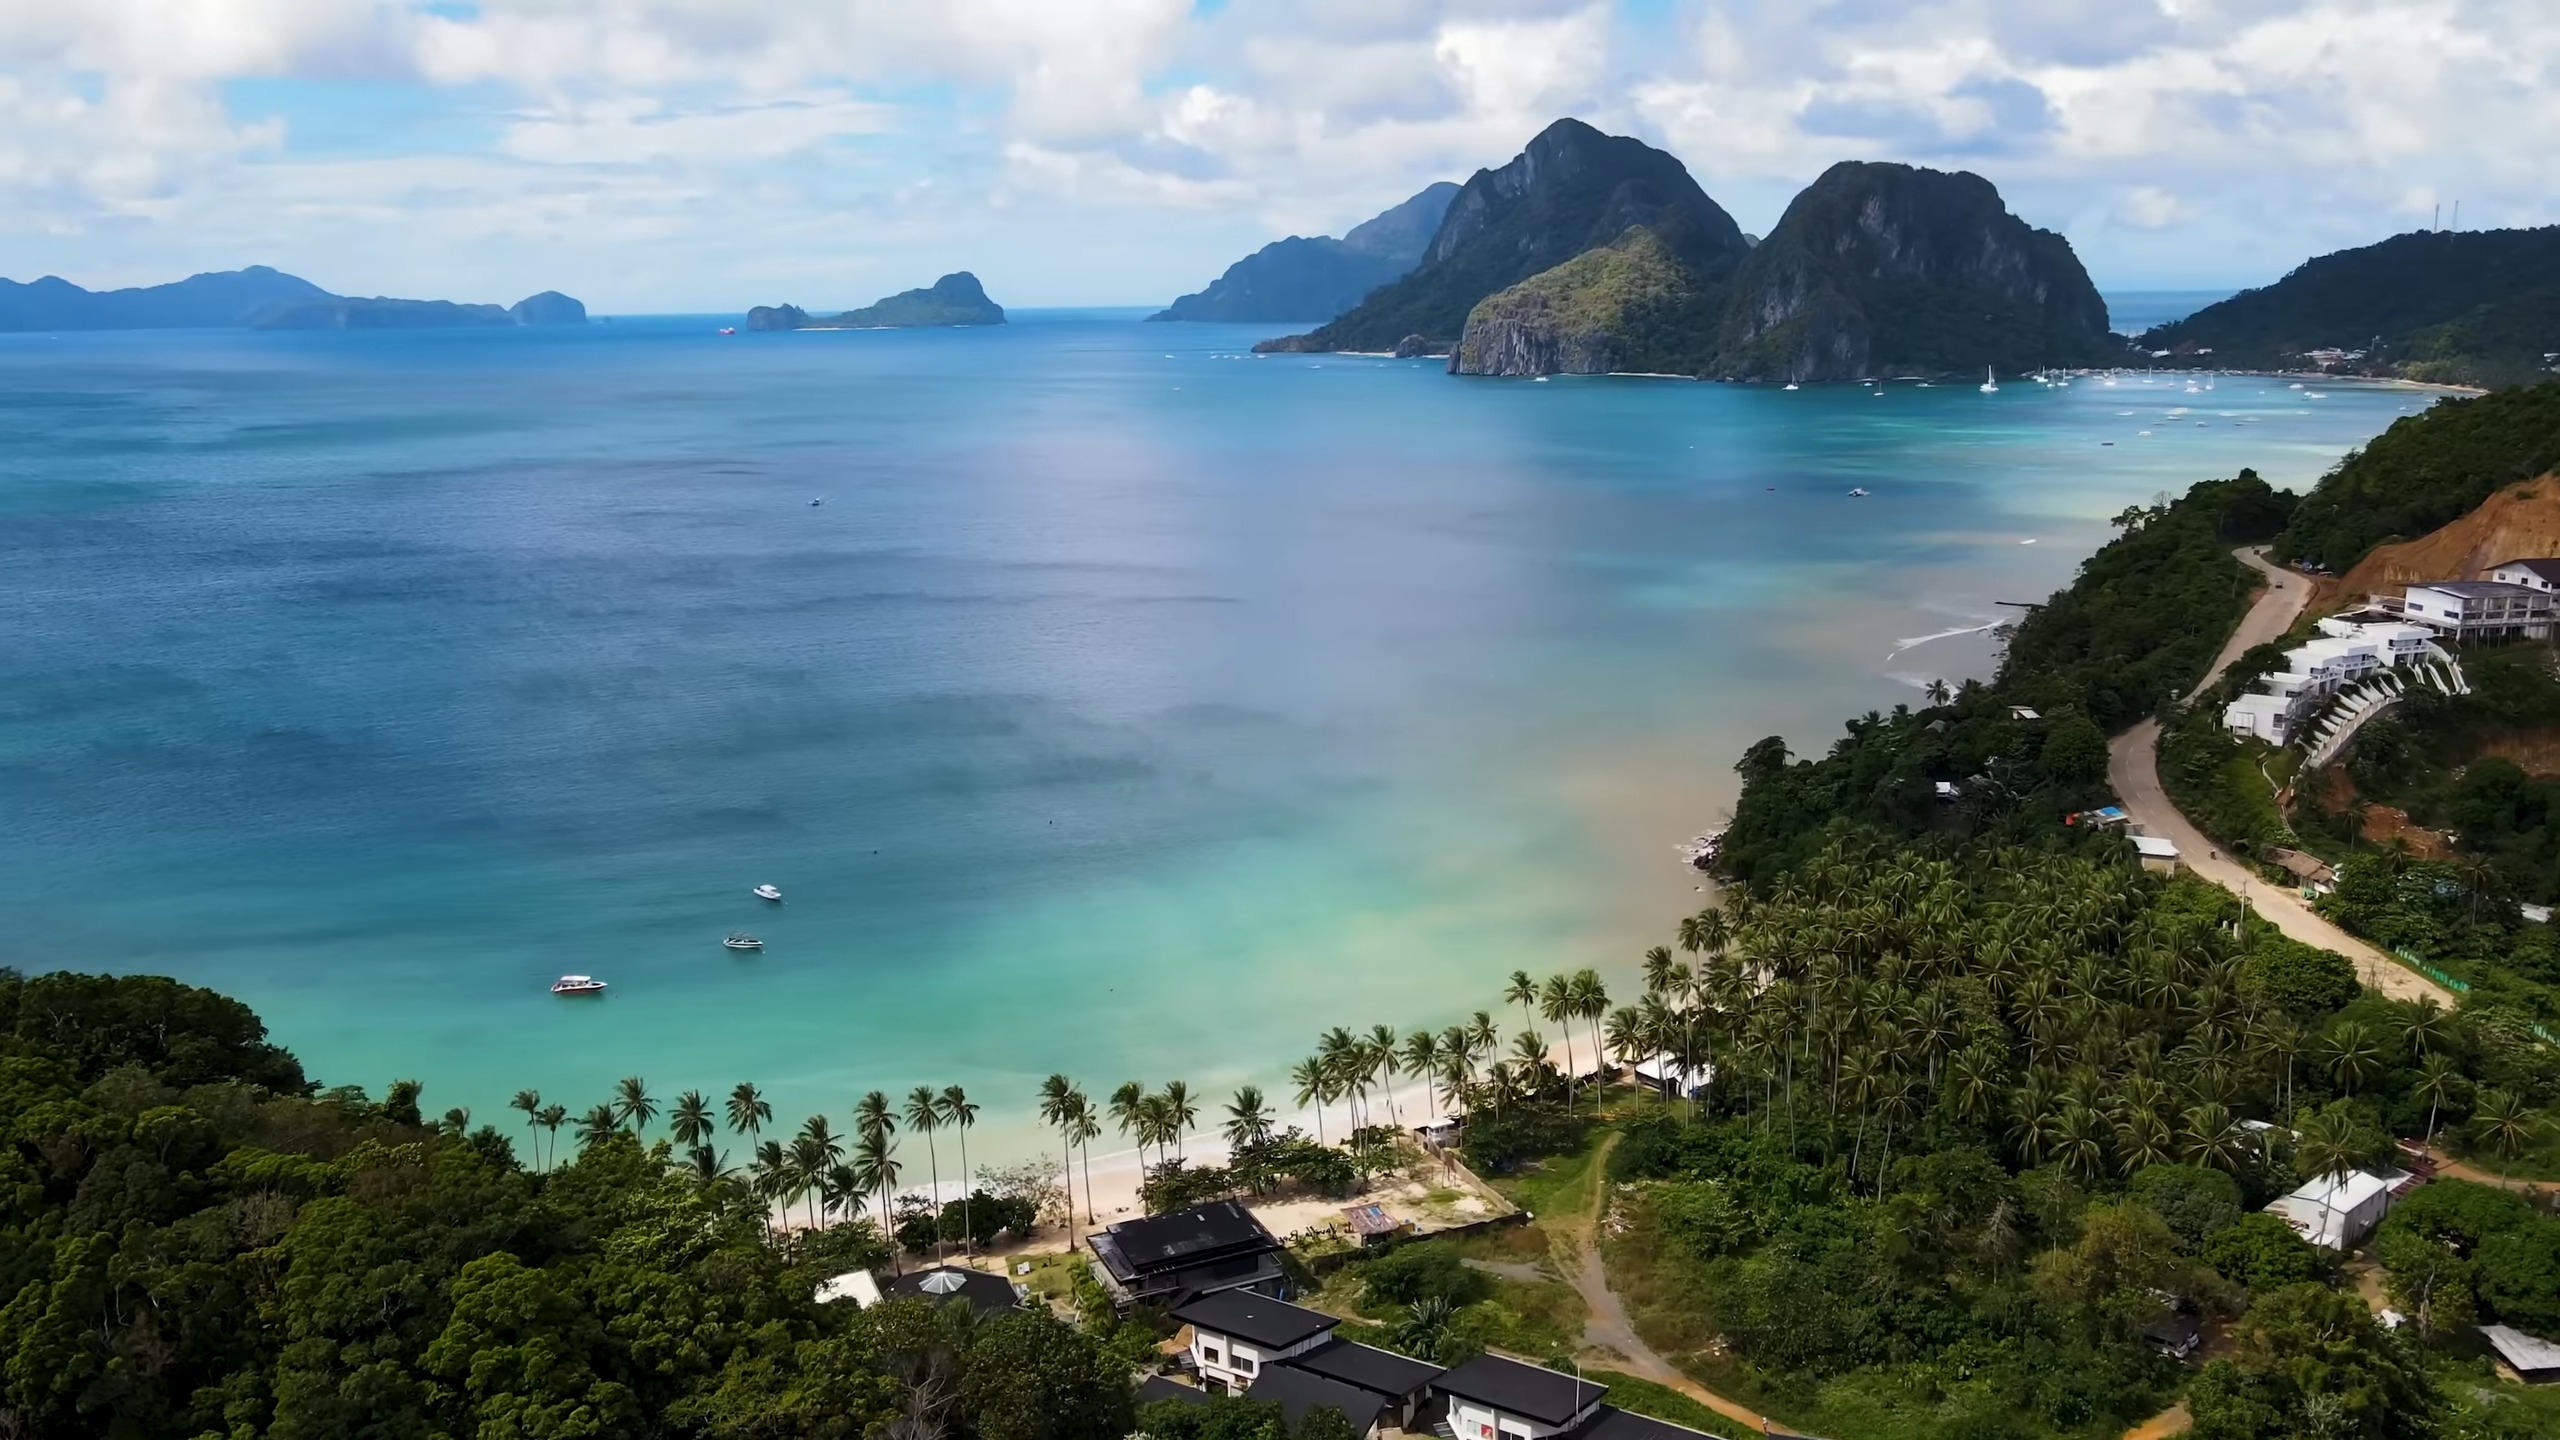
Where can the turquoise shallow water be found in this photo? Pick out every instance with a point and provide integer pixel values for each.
(1132, 707)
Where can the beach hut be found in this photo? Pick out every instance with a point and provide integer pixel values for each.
(2338, 1211)
(2158, 854)
(1373, 1224)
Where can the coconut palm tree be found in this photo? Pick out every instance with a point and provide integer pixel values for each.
(2437, 1079)
(2425, 1027)
(924, 1116)
(2353, 1055)
(690, 1122)
(771, 1172)
(1314, 1080)
(1658, 966)
(1591, 1006)
(596, 1127)
(530, 1102)
(875, 1171)
(1084, 1125)
(1058, 1097)
(2325, 1146)
(1385, 1062)
(2504, 1121)
(1422, 1057)
(632, 1105)
(1561, 1005)
(1248, 1119)
(1522, 991)
(748, 1111)
(709, 1167)
(1181, 1111)
(552, 1118)
(960, 1114)
(1126, 1104)
(872, 1114)
(1706, 933)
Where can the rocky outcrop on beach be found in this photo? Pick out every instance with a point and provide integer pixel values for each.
(1316, 277)
(1891, 269)
(1572, 190)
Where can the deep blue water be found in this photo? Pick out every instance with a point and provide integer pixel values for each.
(1131, 707)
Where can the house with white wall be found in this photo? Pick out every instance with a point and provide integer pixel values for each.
(1235, 1334)
(2338, 1211)
(1491, 1398)
(2542, 575)
(2464, 611)
(2347, 651)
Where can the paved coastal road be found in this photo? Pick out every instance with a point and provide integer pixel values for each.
(2133, 769)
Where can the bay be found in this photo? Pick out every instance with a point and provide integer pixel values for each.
(1131, 707)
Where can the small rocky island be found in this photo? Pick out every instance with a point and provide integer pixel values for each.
(955, 299)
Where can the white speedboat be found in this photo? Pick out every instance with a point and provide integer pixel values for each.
(577, 985)
(1858, 494)
(1990, 384)
(741, 940)
(767, 892)
(1791, 385)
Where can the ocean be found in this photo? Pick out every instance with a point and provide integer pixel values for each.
(1103, 699)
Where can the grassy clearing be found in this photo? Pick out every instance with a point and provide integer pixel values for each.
(1664, 1291)
(1558, 1185)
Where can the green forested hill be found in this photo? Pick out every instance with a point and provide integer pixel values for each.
(197, 1243)
(2473, 305)
(1572, 190)
(2425, 471)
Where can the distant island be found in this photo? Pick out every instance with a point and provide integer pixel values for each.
(258, 297)
(1317, 277)
(1591, 253)
(955, 299)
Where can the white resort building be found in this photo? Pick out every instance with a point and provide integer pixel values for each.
(2349, 650)
(2468, 610)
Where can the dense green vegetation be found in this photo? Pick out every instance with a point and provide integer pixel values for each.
(1633, 304)
(1976, 1130)
(2138, 627)
(2425, 471)
(2460, 301)
(955, 299)
(197, 1242)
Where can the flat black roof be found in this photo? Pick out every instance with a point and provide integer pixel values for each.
(1156, 1387)
(1613, 1423)
(2548, 569)
(1549, 1396)
(1188, 1236)
(1368, 1367)
(1299, 1392)
(983, 1291)
(1255, 1319)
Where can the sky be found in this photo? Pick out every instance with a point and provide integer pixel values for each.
(707, 155)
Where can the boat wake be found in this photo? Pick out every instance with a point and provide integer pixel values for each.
(1916, 641)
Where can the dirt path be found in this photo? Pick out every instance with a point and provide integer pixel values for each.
(1608, 1327)
(2448, 1168)
(2133, 771)
(2172, 1421)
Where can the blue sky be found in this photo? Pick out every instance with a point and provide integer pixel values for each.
(712, 154)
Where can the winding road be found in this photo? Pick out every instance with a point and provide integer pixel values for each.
(2133, 771)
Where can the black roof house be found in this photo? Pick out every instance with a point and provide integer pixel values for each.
(1258, 1320)
(1300, 1392)
(1167, 1259)
(1380, 1372)
(987, 1294)
(1550, 1397)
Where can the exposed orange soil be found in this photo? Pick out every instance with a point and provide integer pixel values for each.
(2520, 521)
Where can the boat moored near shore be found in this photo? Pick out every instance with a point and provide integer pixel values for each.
(767, 892)
(741, 940)
(577, 985)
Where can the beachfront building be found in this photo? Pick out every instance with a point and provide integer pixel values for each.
(1401, 1383)
(1266, 1349)
(1299, 1394)
(1491, 1398)
(2348, 650)
(2465, 611)
(2337, 1212)
(1170, 1259)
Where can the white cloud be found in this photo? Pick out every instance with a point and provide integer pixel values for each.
(2170, 140)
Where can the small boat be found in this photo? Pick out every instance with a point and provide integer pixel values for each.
(1858, 494)
(821, 500)
(766, 892)
(1990, 384)
(1793, 385)
(741, 940)
(577, 985)
(728, 329)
